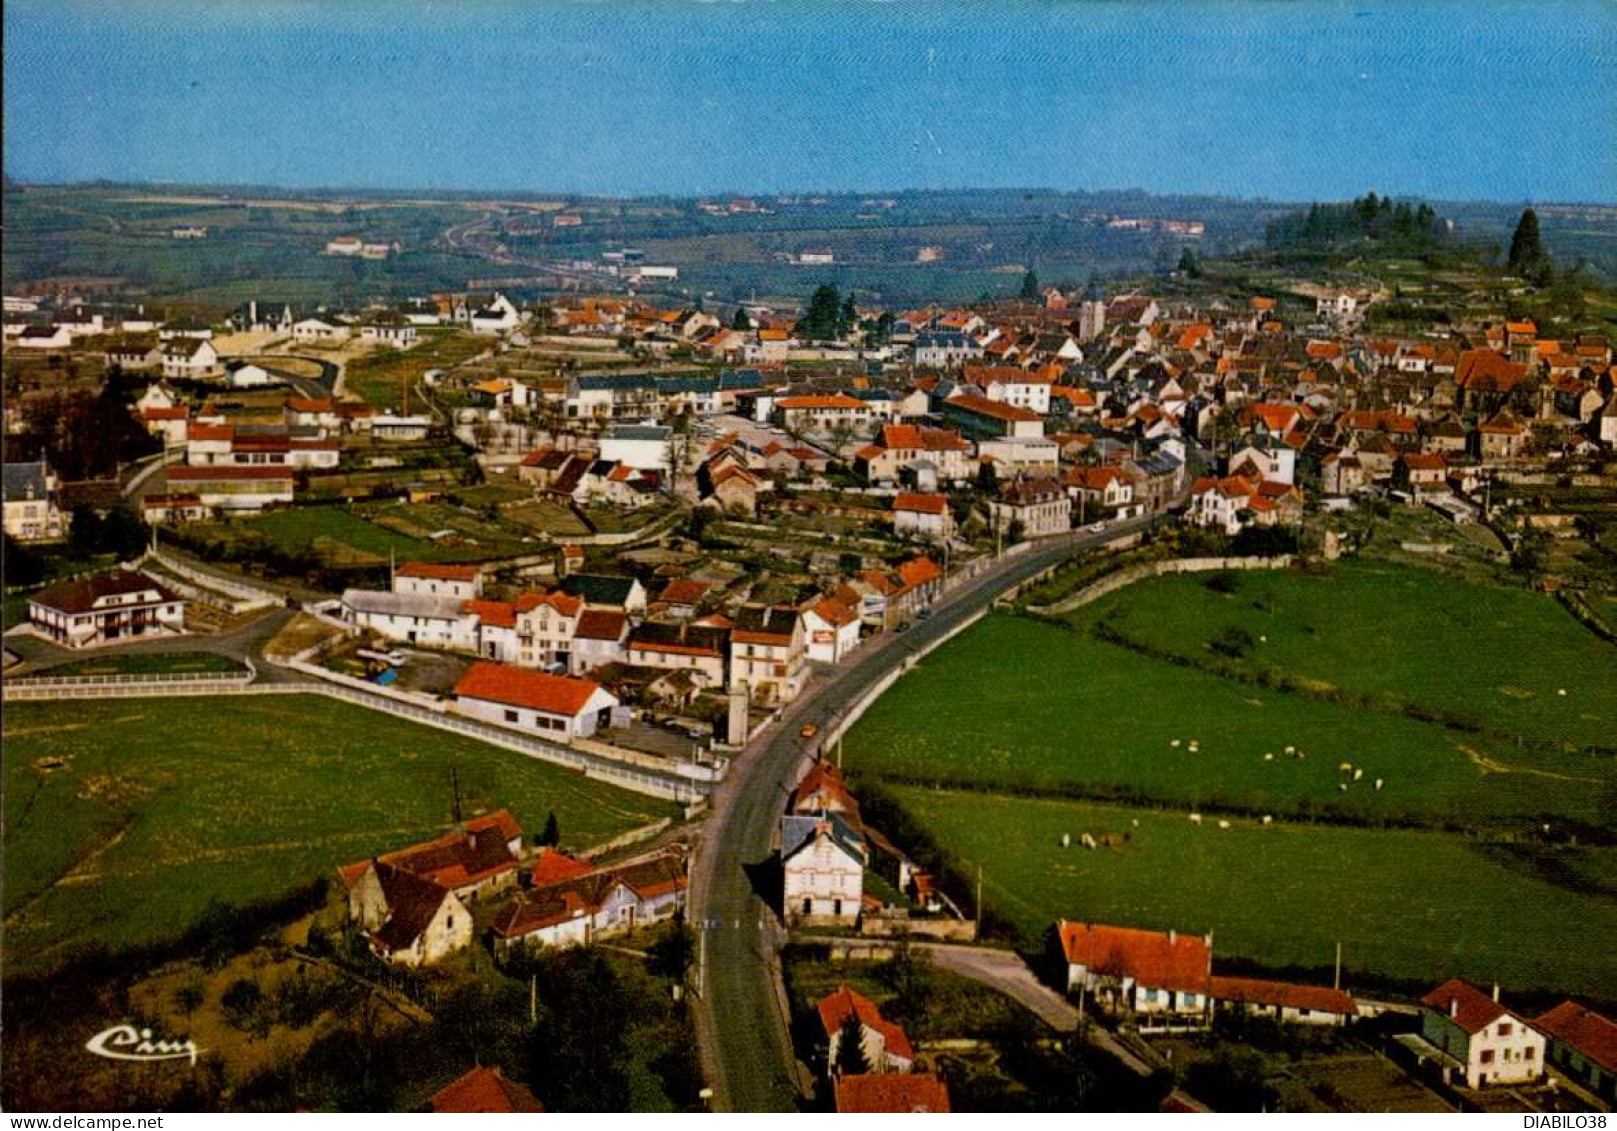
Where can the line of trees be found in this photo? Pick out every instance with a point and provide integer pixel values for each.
(1368, 217)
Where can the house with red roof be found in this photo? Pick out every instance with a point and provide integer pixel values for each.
(439, 579)
(551, 706)
(1283, 1001)
(1163, 974)
(886, 1046)
(413, 904)
(924, 516)
(1472, 1039)
(485, 1091)
(822, 413)
(902, 451)
(1582, 1047)
(890, 1093)
(572, 903)
(890, 597)
(830, 629)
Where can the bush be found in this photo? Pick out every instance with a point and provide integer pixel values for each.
(1234, 642)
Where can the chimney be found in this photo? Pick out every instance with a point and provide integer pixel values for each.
(1496, 993)
(1454, 1007)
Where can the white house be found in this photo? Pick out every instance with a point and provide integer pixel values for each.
(554, 706)
(886, 1046)
(412, 618)
(320, 327)
(1477, 1039)
(573, 903)
(33, 510)
(1162, 973)
(190, 357)
(922, 516)
(644, 447)
(1286, 1002)
(435, 579)
(831, 629)
(106, 608)
(823, 857)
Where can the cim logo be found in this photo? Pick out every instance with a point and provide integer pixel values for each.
(125, 1042)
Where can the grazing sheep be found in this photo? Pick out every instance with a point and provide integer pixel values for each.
(1066, 840)
(1174, 744)
(1291, 750)
(1342, 786)
(1344, 767)
(1268, 820)
(1195, 818)
(1223, 824)
(1269, 757)
(1561, 691)
(1137, 823)
(1087, 841)
(1378, 783)
(1263, 640)
(1357, 774)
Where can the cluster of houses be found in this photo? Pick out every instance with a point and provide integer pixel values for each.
(1467, 1038)
(889, 1082)
(414, 906)
(686, 639)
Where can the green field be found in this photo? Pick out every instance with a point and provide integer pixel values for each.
(1497, 657)
(148, 663)
(1415, 905)
(1018, 705)
(123, 820)
(379, 377)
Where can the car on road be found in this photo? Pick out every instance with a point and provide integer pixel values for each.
(924, 613)
(809, 730)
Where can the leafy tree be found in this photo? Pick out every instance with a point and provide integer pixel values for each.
(1030, 286)
(851, 1059)
(674, 951)
(987, 478)
(848, 317)
(1527, 257)
(578, 1047)
(20, 565)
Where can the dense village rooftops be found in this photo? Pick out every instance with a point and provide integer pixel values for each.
(911, 437)
(883, 1093)
(1484, 370)
(1154, 959)
(1465, 1005)
(86, 594)
(519, 687)
(478, 850)
(819, 402)
(421, 606)
(599, 588)
(1286, 995)
(485, 1091)
(764, 624)
(1581, 1028)
(679, 639)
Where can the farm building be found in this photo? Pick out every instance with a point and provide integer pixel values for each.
(1144, 972)
(555, 705)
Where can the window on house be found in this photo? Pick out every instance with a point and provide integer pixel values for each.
(510, 716)
(1527, 1054)
(1504, 1029)
(1487, 1056)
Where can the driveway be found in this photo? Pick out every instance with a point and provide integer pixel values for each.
(246, 642)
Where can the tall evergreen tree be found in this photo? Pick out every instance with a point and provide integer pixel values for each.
(1526, 246)
(824, 312)
(1030, 286)
(741, 321)
(851, 1058)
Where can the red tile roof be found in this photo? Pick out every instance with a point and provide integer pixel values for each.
(600, 624)
(1154, 959)
(485, 1091)
(982, 406)
(1321, 999)
(1593, 1035)
(834, 1009)
(835, 400)
(518, 687)
(1465, 1005)
(918, 1092)
(438, 572)
(921, 503)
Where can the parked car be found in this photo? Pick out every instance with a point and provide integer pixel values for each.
(809, 730)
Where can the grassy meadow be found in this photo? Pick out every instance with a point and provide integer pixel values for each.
(125, 819)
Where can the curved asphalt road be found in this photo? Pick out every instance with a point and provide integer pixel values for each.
(741, 1012)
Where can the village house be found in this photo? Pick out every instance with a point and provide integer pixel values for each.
(922, 516)
(831, 630)
(928, 457)
(1100, 492)
(886, 1047)
(1030, 508)
(233, 488)
(32, 503)
(571, 903)
(1286, 1002)
(483, 1090)
(190, 358)
(915, 1093)
(320, 327)
(889, 598)
(1582, 1047)
(823, 860)
(823, 414)
(606, 591)
(157, 510)
(413, 618)
(599, 638)
(106, 608)
(555, 706)
(767, 655)
(979, 417)
(1474, 1040)
(1155, 974)
(435, 579)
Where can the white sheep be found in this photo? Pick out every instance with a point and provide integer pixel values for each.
(1357, 774)
(1561, 691)
(1087, 841)
(1344, 767)
(1223, 824)
(1136, 823)
(1342, 786)
(1174, 744)
(1378, 783)
(1195, 818)
(1267, 820)
(1066, 840)
(1291, 750)
(1269, 757)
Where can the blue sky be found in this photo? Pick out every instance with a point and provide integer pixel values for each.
(1289, 100)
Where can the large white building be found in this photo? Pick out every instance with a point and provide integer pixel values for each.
(1477, 1039)
(106, 608)
(552, 706)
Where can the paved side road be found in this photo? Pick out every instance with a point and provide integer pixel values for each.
(746, 1049)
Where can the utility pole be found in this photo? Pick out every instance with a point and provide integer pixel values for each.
(1336, 981)
(454, 779)
(533, 999)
